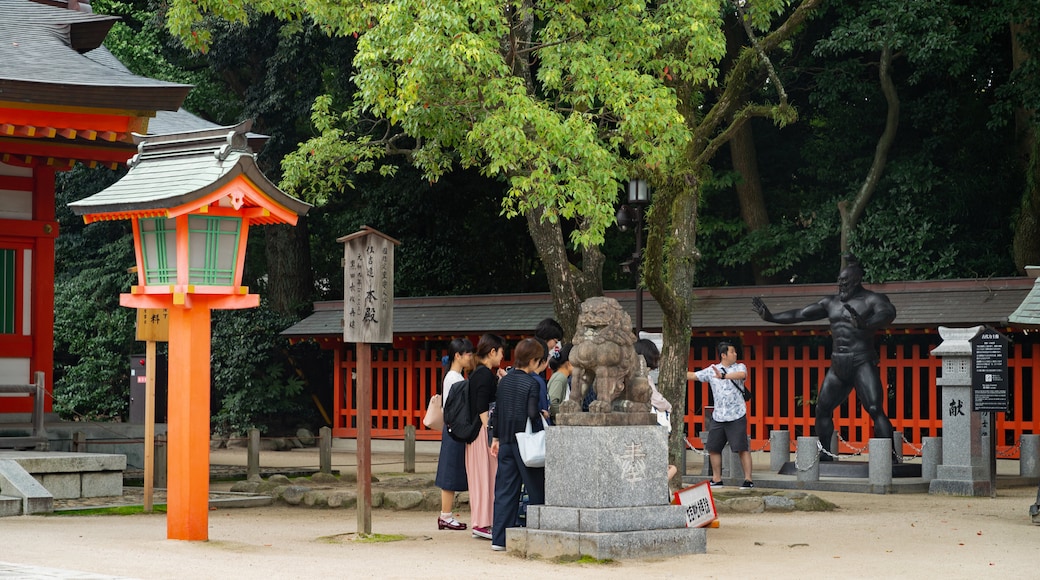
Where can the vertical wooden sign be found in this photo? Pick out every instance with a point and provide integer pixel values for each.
(368, 287)
(153, 325)
(368, 316)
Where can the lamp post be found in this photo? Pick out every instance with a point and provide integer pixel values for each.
(628, 216)
(191, 198)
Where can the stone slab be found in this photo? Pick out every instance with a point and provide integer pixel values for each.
(605, 419)
(16, 482)
(65, 461)
(10, 506)
(614, 546)
(853, 469)
(960, 487)
(606, 467)
(605, 520)
(61, 485)
(101, 484)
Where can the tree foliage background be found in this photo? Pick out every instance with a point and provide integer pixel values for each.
(439, 121)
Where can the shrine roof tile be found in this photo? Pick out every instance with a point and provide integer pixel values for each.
(920, 305)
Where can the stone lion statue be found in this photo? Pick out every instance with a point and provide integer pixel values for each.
(605, 360)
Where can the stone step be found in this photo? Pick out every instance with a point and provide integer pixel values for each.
(10, 506)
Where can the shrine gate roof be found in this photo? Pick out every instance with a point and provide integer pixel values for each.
(44, 64)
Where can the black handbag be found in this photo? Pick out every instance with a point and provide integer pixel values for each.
(746, 393)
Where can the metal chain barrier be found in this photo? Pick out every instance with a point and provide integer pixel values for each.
(1007, 452)
(690, 446)
(815, 460)
(855, 451)
(918, 451)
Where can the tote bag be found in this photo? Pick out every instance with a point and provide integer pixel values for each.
(532, 445)
(434, 417)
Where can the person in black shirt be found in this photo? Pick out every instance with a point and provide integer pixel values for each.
(517, 402)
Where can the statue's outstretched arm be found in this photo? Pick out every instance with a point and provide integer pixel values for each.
(814, 311)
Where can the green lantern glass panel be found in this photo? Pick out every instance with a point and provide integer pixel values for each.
(213, 249)
(159, 250)
(8, 295)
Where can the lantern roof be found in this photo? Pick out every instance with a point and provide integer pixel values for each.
(179, 173)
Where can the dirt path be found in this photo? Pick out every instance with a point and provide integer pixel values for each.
(871, 536)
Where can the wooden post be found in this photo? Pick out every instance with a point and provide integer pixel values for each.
(149, 425)
(364, 442)
(409, 449)
(368, 316)
(253, 455)
(325, 450)
(79, 442)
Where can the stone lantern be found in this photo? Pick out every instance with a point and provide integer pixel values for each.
(191, 198)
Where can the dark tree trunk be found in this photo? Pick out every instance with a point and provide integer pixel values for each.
(568, 284)
(289, 287)
(749, 192)
(1026, 245)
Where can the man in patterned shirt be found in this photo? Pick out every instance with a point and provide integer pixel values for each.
(729, 419)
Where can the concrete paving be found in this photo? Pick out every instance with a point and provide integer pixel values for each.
(23, 572)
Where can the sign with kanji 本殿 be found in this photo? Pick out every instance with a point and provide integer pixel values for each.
(368, 287)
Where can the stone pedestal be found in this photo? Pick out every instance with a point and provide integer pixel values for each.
(606, 496)
(779, 449)
(964, 470)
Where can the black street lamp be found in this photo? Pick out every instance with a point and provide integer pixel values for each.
(630, 215)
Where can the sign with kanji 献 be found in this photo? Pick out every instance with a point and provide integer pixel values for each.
(368, 287)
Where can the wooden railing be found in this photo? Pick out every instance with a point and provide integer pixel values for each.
(784, 380)
(37, 390)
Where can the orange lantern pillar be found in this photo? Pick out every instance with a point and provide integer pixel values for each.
(191, 198)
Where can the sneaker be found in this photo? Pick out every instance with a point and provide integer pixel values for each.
(748, 484)
(717, 484)
(498, 548)
(482, 532)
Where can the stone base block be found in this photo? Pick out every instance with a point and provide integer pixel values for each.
(605, 419)
(606, 467)
(967, 488)
(61, 485)
(10, 506)
(615, 546)
(605, 520)
(101, 484)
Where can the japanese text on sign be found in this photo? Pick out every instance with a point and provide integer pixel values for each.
(989, 379)
(368, 288)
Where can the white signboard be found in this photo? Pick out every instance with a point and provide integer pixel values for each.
(700, 506)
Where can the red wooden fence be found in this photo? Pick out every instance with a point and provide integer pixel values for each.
(784, 379)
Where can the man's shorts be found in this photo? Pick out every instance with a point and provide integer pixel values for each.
(734, 432)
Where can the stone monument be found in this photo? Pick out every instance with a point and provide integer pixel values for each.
(964, 469)
(606, 470)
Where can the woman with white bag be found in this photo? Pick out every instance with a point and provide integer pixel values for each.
(517, 403)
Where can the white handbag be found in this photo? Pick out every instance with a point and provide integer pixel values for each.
(532, 445)
(434, 417)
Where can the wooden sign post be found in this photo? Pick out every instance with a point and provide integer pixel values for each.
(368, 316)
(152, 326)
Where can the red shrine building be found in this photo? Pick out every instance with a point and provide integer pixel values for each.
(64, 99)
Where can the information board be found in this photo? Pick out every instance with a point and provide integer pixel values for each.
(989, 372)
(699, 504)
